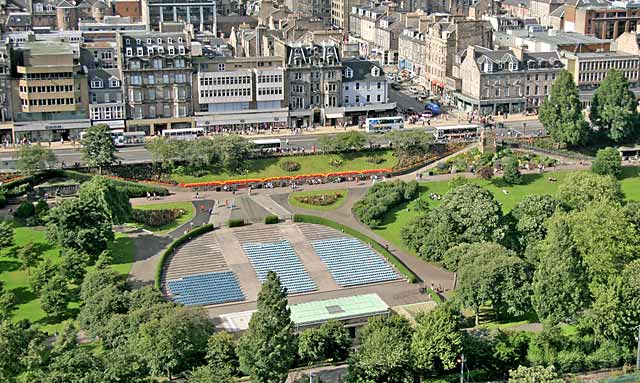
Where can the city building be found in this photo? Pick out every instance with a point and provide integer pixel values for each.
(504, 81)
(199, 13)
(601, 18)
(429, 50)
(543, 9)
(549, 41)
(377, 29)
(49, 93)
(156, 71)
(107, 29)
(6, 128)
(340, 10)
(240, 94)
(69, 13)
(313, 8)
(128, 8)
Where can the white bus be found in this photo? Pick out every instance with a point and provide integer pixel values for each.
(457, 133)
(384, 124)
(128, 138)
(271, 144)
(183, 134)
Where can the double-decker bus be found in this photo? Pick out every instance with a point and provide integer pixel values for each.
(183, 134)
(384, 124)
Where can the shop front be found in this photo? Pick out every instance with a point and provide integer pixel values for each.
(35, 131)
(245, 121)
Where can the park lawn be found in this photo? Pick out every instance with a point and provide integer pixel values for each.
(186, 217)
(310, 164)
(339, 202)
(17, 281)
(533, 184)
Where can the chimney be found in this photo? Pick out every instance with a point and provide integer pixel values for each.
(518, 52)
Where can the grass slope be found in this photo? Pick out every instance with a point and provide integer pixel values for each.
(17, 281)
(188, 216)
(270, 167)
(533, 184)
(339, 202)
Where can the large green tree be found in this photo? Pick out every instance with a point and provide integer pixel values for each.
(343, 142)
(437, 341)
(221, 352)
(6, 235)
(384, 355)
(431, 234)
(174, 343)
(581, 188)
(530, 214)
(99, 307)
(55, 297)
(233, 151)
(511, 171)
(98, 148)
(15, 339)
(164, 151)
(561, 112)
(29, 255)
(268, 347)
(608, 163)
(34, 158)
(560, 282)
(614, 108)
(409, 143)
(208, 374)
(78, 223)
(7, 303)
(330, 341)
(102, 192)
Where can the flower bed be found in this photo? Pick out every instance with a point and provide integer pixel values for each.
(320, 199)
(156, 218)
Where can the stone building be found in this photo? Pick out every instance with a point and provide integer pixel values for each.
(364, 93)
(156, 71)
(340, 10)
(377, 29)
(601, 18)
(504, 81)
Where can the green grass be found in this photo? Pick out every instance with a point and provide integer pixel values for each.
(17, 281)
(533, 184)
(186, 217)
(339, 202)
(311, 164)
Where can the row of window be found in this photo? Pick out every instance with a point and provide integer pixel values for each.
(106, 113)
(227, 80)
(106, 97)
(149, 40)
(99, 84)
(157, 63)
(606, 65)
(164, 111)
(152, 51)
(315, 75)
(225, 92)
(46, 89)
(179, 93)
(599, 76)
(47, 76)
(368, 98)
(49, 102)
(499, 92)
(269, 91)
(270, 78)
(136, 79)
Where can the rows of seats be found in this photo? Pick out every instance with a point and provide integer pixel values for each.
(201, 255)
(281, 258)
(206, 289)
(352, 263)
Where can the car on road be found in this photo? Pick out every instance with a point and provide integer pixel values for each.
(396, 86)
(391, 76)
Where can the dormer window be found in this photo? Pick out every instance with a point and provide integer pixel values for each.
(159, 40)
(179, 39)
(149, 41)
(127, 41)
(169, 40)
(513, 66)
(348, 73)
(114, 83)
(138, 41)
(96, 84)
(375, 71)
(140, 51)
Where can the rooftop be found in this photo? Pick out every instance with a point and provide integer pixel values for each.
(566, 38)
(48, 47)
(338, 308)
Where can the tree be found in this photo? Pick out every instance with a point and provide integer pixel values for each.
(342, 142)
(15, 338)
(267, 349)
(384, 355)
(41, 211)
(98, 149)
(75, 365)
(468, 252)
(29, 254)
(608, 163)
(561, 112)
(163, 151)
(55, 296)
(410, 143)
(208, 374)
(124, 365)
(78, 223)
(501, 279)
(530, 214)
(34, 158)
(511, 171)
(6, 235)
(330, 341)
(221, 353)
(175, 342)
(74, 265)
(536, 374)
(437, 341)
(43, 273)
(102, 192)
(99, 307)
(614, 108)
(7, 303)
(233, 150)
(581, 188)
(560, 282)
(67, 339)
(97, 280)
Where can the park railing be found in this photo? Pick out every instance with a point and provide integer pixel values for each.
(166, 255)
(395, 261)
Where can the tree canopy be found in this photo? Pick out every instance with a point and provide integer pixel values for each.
(581, 188)
(101, 192)
(437, 341)
(34, 158)
(608, 163)
(98, 148)
(614, 108)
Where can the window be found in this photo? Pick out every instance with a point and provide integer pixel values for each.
(170, 40)
(179, 39)
(151, 94)
(136, 79)
(297, 76)
(129, 52)
(107, 55)
(181, 50)
(138, 41)
(172, 50)
(149, 41)
(151, 79)
(357, 99)
(378, 98)
(159, 41)
(165, 78)
(221, 67)
(140, 51)
(178, 63)
(152, 111)
(166, 110)
(357, 86)
(96, 83)
(157, 63)
(348, 73)
(368, 98)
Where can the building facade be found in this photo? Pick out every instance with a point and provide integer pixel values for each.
(199, 13)
(156, 71)
(601, 18)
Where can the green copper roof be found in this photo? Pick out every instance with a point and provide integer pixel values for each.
(338, 308)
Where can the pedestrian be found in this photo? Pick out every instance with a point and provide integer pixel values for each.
(197, 194)
(148, 196)
(154, 196)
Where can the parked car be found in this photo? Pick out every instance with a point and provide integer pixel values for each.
(391, 76)
(395, 86)
(414, 89)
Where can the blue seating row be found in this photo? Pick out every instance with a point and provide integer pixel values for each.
(206, 289)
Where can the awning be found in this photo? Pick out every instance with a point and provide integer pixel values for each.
(334, 115)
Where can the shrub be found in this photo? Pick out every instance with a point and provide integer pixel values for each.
(25, 210)
(290, 166)
(511, 172)
(374, 159)
(156, 218)
(41, 211)
(380, 198)
(607, 163)
(165, 255)
(271, 219)
(335, 162)
(235, 222)
(485, 172)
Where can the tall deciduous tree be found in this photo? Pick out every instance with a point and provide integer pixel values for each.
(164, 151)
(530, 214)
(15, 338)
(267, 349)
(560, 282)
(34, 158)
(98, 148)
(233, 150)
(581, 188)
(330, 341)
(561, 112)
(608, 163)
(55, 296)
(208, 374)
(614, 108)
(511, 172)
(101, 192)
(6, 235)
(437, 341)
(29, 255)
(221, 352)
(409, 142)
(7, 303)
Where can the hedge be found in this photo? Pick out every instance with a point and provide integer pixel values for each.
(165, 255)
(235, 222)
(25, 210)
(271, 219)
(404, 270)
